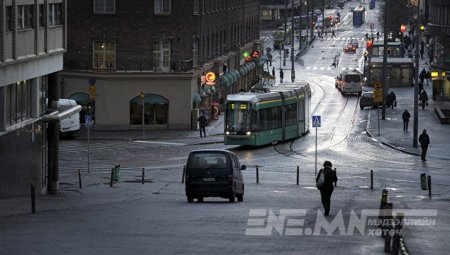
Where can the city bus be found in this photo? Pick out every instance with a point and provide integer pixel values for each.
(261, 117)
(359, 14)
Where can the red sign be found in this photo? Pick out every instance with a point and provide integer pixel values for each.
(210, 79)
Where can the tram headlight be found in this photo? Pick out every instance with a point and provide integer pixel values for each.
(248, 133)
(228, 132)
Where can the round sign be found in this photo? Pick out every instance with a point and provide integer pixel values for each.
(91, 81)
(210, 77)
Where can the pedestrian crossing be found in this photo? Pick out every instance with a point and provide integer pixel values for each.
(328, 68)
(120, 145)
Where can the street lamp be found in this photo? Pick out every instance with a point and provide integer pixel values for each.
(416, 80)
(293, 38)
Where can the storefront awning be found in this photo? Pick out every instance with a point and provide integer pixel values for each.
(80, 97)
(224, 80)
(251, 66)
(235, 74)
(150, 99)
(230, 77)
(243, 71)
(196, 97)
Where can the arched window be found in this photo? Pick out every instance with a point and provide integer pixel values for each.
(156, 109)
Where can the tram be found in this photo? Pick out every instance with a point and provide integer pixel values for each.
(359, 14)
(267, 117)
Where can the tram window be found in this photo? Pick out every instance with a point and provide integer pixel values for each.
(275, 118)
(264, 119)
(254, 121)
(291, 110)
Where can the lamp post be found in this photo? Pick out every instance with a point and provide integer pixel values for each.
(292, 40)
(385, 70)
(416, 81)
(285, 31)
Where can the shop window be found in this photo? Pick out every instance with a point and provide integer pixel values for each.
(18, 104)
(156, 109)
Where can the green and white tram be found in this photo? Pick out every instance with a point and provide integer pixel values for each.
(258, 118)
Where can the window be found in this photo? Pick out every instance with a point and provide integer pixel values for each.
(161, 55)
(25, 16)
(41, 15)
(196, 7)
(18, 98)
(9, 22)
(162, 7)
(54, 14)
(104, 6)
(156, 110)
(104, 55)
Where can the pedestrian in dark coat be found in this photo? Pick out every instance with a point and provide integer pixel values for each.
(273, 72)
(424, 98)
(422, 75)
(203, 122)
(424, 141)
(281, 75)
(405, 116)
(390, 99)
(327, 188)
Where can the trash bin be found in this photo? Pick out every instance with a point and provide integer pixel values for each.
(116, 173)
(423, 181)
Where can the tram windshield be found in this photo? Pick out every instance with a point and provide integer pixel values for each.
(237, 117)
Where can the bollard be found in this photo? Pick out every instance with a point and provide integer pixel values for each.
(335, 183)
(387, 239)
(298, 174)
(116, 173)
(184, 174)
(397, 234)
(111, 180)
(33, 199)
(429, 187)
(371, 179)
(143, 175)
(79, 178)
(257, 174)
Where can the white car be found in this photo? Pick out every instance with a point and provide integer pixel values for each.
(70, 125)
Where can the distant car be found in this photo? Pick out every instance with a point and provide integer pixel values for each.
(367, 100)
(214, 173)
(350, 48)
(354, 42)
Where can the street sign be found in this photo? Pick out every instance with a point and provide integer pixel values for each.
(377, 85)
(378, 96)
(88, 122)
(316, 121)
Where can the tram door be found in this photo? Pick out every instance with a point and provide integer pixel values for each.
(283, 117)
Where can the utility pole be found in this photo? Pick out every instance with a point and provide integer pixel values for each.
(323, 13)
(416, 80)
(385, 74)
(292, 43)
(285, 31)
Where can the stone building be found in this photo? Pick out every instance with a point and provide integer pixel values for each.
(122, 54)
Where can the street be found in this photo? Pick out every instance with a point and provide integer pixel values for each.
(155, 218)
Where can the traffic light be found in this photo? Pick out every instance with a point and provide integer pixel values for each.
(369, 43)
(245, 54)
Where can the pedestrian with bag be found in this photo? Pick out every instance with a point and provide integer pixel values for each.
(424, 141)
(203, 122)
(324, 182)
(281, 75)
(424, 98)
(405, 116)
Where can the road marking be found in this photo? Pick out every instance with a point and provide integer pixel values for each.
(166, 143)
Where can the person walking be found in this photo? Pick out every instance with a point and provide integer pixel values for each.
(329, 177)
(405, 116)
(424, 98)
(273, 72)
(203, 122)
(422, 75)
(424, 141)
(333, 34)
(391, 99)
(281, 75)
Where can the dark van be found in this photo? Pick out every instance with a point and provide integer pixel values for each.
(214, 173)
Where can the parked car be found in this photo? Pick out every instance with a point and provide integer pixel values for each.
(70, 125)
(367, 100)
(214, 173)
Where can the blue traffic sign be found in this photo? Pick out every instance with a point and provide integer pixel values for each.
(88, 120)
(316, 121)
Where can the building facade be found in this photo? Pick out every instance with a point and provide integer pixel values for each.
(32, 43)
(439, 30)
(141, 63)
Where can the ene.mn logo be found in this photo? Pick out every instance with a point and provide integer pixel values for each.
(291, 222)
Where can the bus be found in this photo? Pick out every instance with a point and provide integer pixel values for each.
(359, 14)
(372, 4)
(262, 117)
